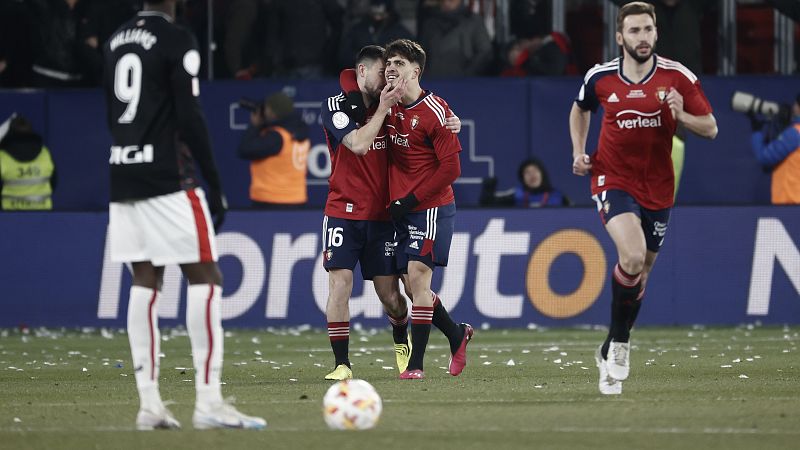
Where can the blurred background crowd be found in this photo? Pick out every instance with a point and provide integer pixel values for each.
(57, 43)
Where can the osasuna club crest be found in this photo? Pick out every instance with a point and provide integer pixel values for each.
(414, 121)
(661, 94)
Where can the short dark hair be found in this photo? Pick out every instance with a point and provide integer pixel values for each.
(407, 49)
(634, 9)
(370, 53)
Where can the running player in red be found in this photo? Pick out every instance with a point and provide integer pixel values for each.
(158, 214)
(644, 98)
(424, 163)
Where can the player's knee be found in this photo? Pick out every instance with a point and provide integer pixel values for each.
(340, 280)
(632, 263)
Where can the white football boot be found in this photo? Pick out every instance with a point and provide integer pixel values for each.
(607, 385)
(619, 360)
(224, 415)
(160, 418)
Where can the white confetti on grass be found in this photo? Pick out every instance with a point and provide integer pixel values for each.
(726, 366)
(511, 363)
(743, 376)
(17, 420)
(387, 367)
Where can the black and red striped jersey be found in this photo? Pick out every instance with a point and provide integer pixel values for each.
(158, 129)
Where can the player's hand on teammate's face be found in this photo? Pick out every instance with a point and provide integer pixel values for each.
(391, 95)
(675, 102)
(453, 123)
(582, 165)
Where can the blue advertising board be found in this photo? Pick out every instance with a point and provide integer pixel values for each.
(504, 122)
(507, 268)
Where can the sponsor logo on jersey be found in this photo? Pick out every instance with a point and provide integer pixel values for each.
(399, 139)
(131, 154)
(661, 94)
(348, 208)
(399, 115)
(379, 143)
(414, 122)
(613, 98)
(328, 254)
(640, 119)
(414, 245)
(636, 93)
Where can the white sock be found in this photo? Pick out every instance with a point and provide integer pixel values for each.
(145, 341)
(204, 323)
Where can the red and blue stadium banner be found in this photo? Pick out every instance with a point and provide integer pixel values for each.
(508, 268)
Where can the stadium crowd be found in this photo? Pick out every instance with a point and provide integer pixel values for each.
(57, 43)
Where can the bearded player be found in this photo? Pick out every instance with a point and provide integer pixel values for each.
(644, 98)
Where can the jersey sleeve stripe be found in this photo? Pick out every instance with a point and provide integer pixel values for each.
(333, 102)
(674, 65)
(611, 65)
(436, 108)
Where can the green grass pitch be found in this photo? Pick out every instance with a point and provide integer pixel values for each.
(689, 388)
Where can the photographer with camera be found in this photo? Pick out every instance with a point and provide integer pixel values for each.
(276, 143)
(779, 152)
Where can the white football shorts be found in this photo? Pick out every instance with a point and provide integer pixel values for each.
(169, 229)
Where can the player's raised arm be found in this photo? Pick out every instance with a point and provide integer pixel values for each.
(704, 125)
(360, 139)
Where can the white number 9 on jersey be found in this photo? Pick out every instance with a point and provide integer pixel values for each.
(128, 85)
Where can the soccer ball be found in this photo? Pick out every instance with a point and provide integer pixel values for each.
(351, 405)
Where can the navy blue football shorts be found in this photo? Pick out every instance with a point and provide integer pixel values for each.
(613, 202)
(371, 243)
(425, 236)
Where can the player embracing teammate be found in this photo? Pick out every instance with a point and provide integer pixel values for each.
(363, 137)
(424, 165)
(644, 98)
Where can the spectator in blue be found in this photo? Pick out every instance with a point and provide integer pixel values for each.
(379, 26)
(534, 189)
(782, 155)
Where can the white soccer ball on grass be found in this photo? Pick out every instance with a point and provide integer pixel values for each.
(351, 405)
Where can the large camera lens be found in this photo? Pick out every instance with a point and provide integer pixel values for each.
(744, 102)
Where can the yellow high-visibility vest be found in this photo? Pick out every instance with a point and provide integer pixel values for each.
(26, 185)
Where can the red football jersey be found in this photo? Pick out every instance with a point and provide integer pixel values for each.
(358, 187)
(635, 146)
(417, 140)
